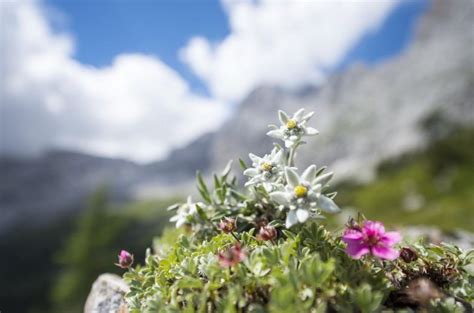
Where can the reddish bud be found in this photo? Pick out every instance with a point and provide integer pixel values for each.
(408, 254)
(125, 259)
(267, 233)
(228, 225)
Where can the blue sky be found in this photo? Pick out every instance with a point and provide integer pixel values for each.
(106, 28)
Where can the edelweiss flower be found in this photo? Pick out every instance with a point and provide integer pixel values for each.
(267, 168)
(293, 129)
(372, 239)
(302, 195)
(184, 213)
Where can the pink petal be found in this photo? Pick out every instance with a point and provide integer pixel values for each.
(385, 252)
(356, 249)
(372, 228)
(352, 234)
(391, 238)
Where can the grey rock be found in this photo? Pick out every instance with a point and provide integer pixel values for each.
(461, 238)
(107, 295)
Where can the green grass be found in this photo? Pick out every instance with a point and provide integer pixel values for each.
(440, 177)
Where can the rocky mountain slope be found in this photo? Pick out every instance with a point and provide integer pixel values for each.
(40, 190)
(365, 114)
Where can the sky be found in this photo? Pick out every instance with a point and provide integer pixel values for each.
(136, 79)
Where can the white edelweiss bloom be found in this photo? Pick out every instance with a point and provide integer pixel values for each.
(302, 195)
(267, 168)
(293, 129)
(185, 212)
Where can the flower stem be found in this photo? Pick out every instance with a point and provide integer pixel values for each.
(291, 157)
(235, 236)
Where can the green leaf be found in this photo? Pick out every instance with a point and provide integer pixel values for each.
(217, 182)
(189, 282)
(201, 213)
(226, 170)
(242, 164)
(288, 234)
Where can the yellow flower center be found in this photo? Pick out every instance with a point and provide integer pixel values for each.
(267, 167)
(291, 124)
(301, 191)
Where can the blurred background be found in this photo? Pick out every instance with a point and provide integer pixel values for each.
(108, 108)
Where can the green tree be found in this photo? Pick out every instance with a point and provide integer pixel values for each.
(89, 251)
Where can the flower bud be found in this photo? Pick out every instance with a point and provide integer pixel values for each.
(231, 256)
(228, 225)
(408, 254)
(267, 233)
(125, 259)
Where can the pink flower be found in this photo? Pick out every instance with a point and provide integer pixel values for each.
(372, 239)
(231, 256)
(125, 259)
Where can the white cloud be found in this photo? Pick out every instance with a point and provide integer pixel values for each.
(286, 43)
(140, 108)
(137, 108)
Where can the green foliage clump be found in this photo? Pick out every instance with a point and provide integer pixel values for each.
(306, 268)
(264, 249)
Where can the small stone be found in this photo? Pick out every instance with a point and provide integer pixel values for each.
(107, 295)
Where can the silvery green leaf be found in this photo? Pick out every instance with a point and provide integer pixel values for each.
(251, 172)
(283, 117)
(278, 157)
(298, 115)
(173, 207)
(251, 182)
(278, 146)
(308, 116)
(309, 173)
(322, 169)
(310, 131)
(289, 144)
(292, 177)
(227, 169)
(302, 215)
(254, 158)
(279, 197)
(323, 179)
(327, 205)
(276, 133)
(291, 219)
